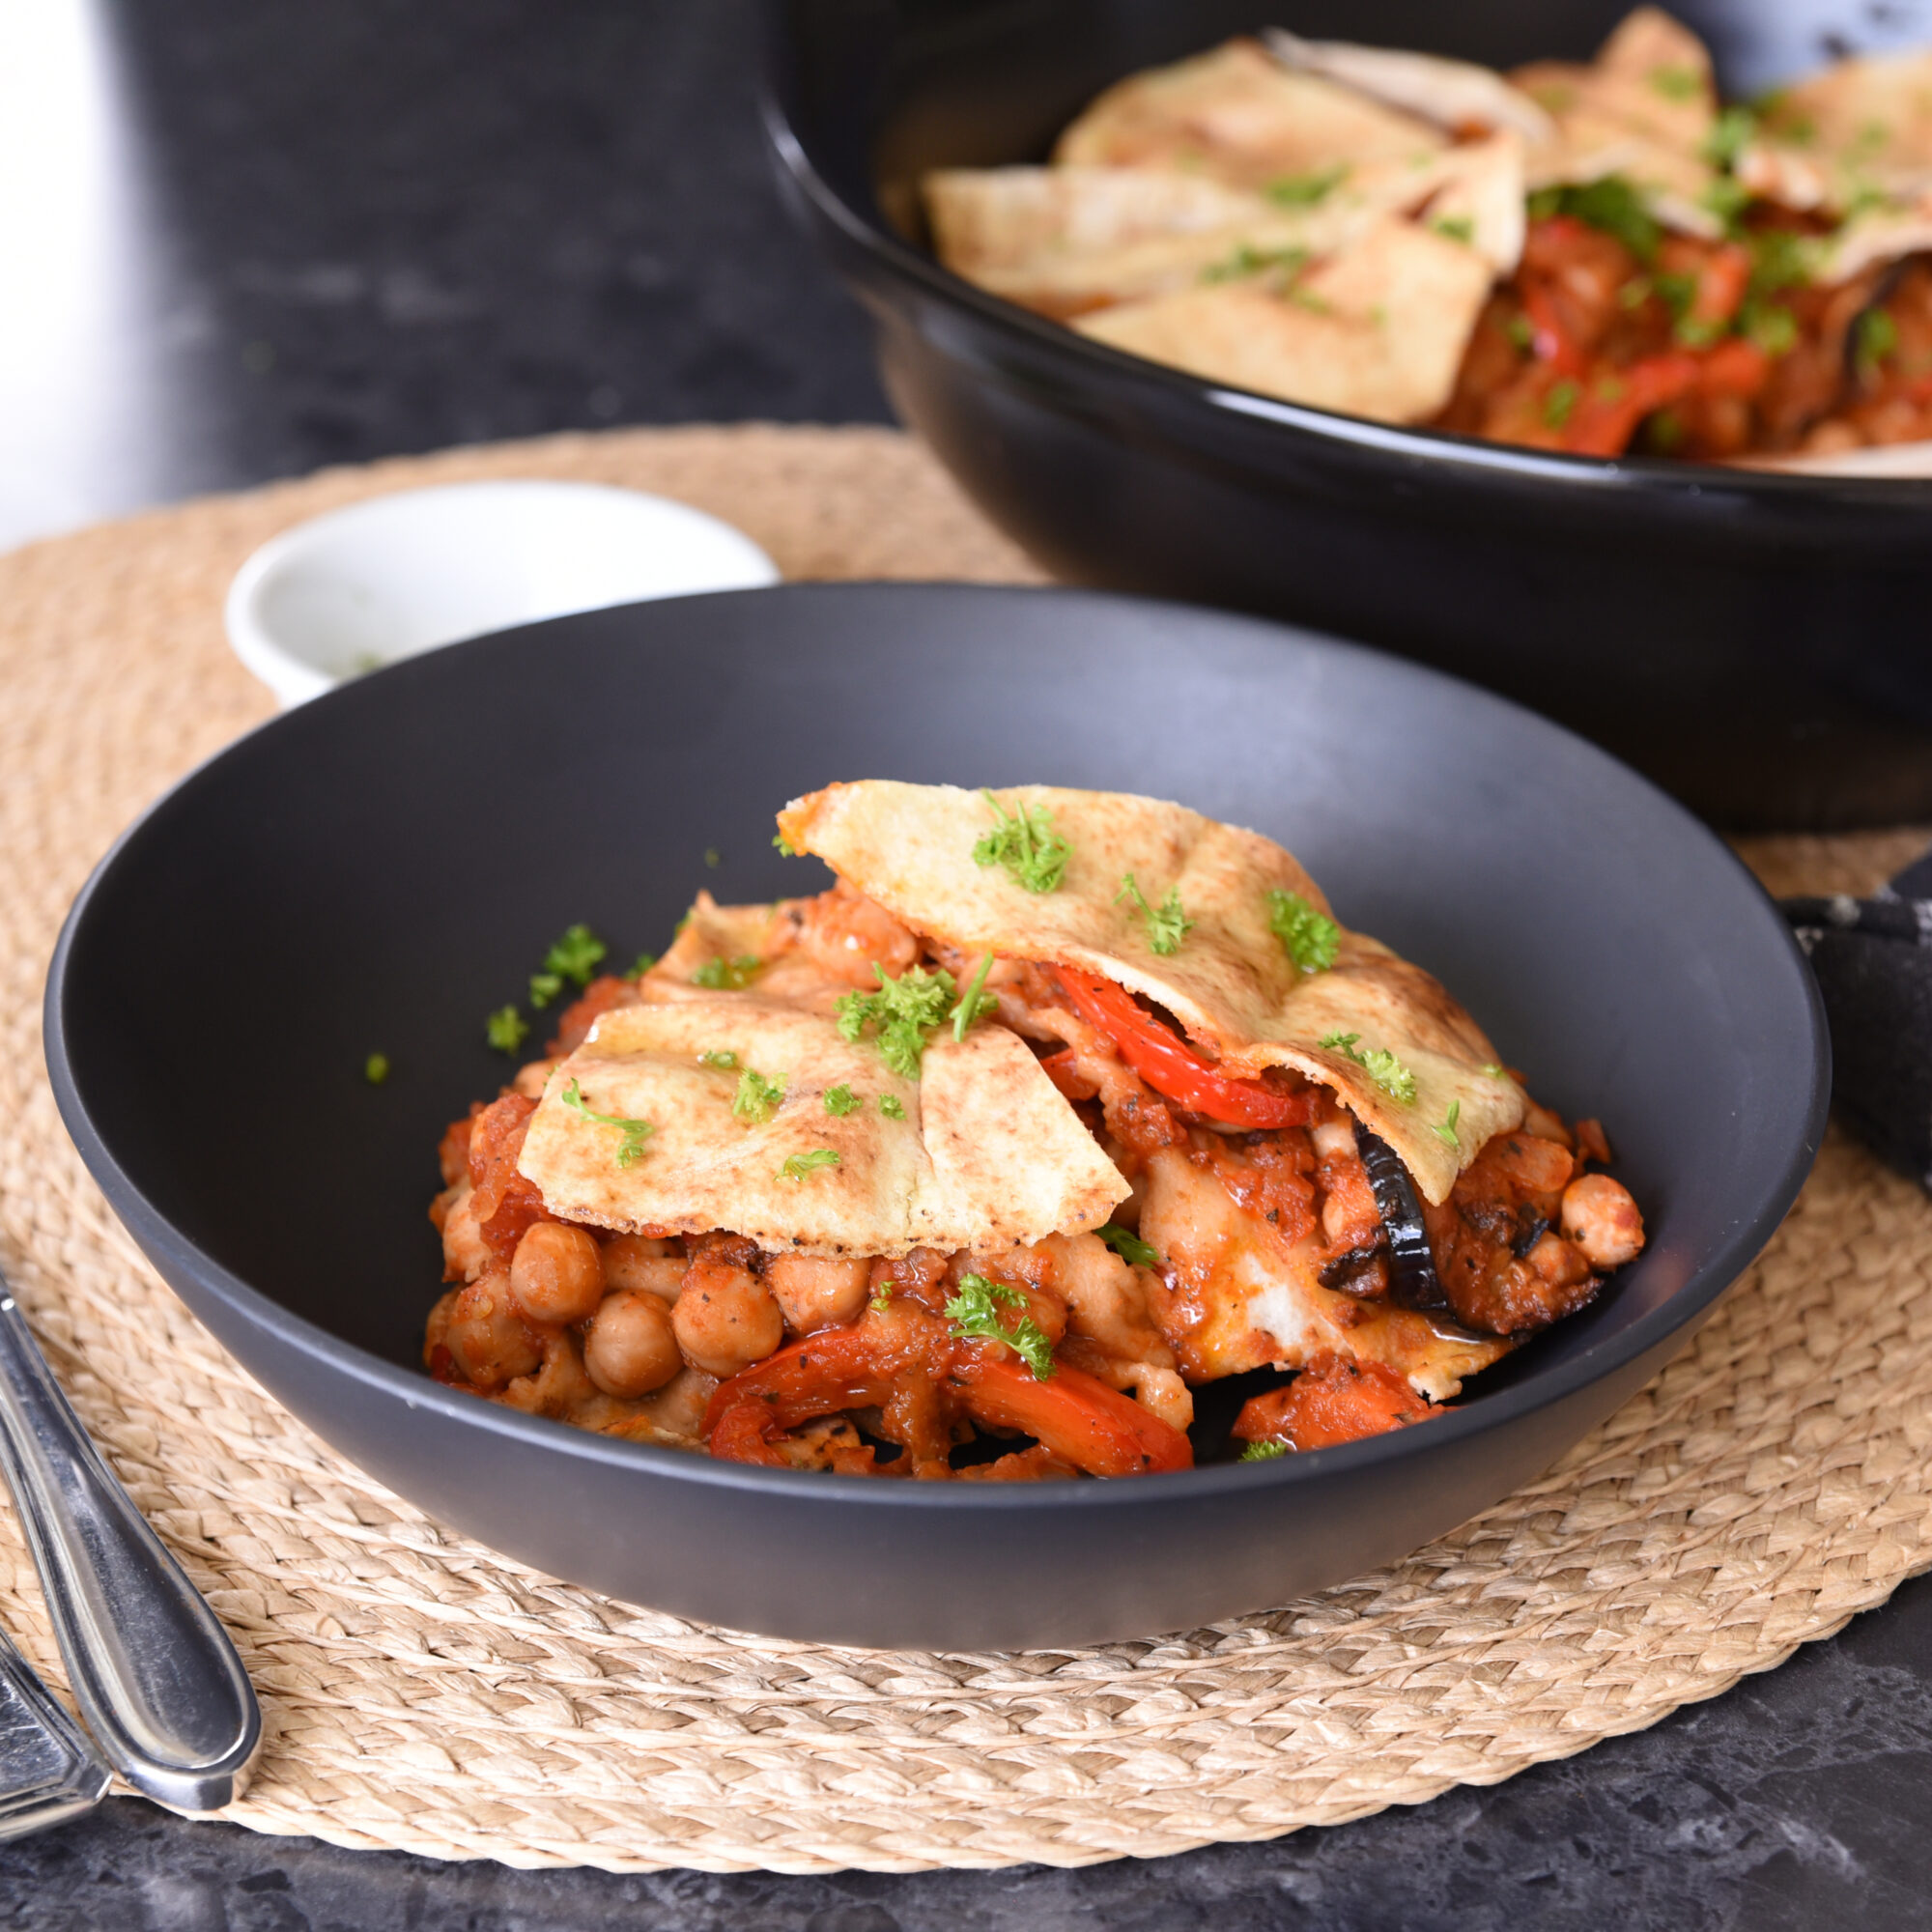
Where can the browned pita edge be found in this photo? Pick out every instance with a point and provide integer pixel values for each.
(1232, 984)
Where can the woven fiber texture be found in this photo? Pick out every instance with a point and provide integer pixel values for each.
(421, 1692)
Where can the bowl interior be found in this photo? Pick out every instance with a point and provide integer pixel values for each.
(379, 871)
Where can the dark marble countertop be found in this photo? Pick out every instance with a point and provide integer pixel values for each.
(262, 237)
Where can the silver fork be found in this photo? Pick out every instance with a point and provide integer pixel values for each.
(157, 1679)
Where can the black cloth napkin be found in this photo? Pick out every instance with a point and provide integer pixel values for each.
(1873, 960)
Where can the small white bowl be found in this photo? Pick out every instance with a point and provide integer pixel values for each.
(383, 580)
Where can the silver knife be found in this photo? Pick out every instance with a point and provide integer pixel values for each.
(48, 1771)
(155, 1676)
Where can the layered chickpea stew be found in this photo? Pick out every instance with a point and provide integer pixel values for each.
(1597, 257)
(1056, 1107)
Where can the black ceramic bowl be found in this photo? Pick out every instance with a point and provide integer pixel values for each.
(381, 868)
(1754, 642)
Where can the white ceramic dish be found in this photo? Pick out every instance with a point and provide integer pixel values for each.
(363, 586)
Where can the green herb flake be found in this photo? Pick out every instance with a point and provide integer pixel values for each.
(1129, 1247)
(757, 1098)
(506, 1029)
(903, 1012)
(1496, 1072)
(1454, 227)
(1636, 292)
(713, 857)
(882, 1298)
(891, 1106)
(630, 1149)
(1312, 937)
(1726, 198)
(1560, 404)
(796, 1166)
(1731, 133)
(375, 1069)
(974, 1003)
(1702, 332)
(575, 956)
(1306, 191)
(1677, 291)
(1444, 1129)
(642, 965)
(1611, 205)
(1772, 327)
(1874, 338)
(1025, 845)
(1677, 83)
(1247, 260)
(544, 988)
(1167, 925)
(1377, 1062)
(1520, 330)
(1263, 1452)
(721, 1057)
(728, 975)
(786, 849)
(975, 1314)
(841, 1100)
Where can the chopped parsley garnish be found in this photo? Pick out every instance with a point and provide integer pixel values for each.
(1454, 227)
(1248, 261)
(891, 1106)
(1129, 1247)
(1379, 1064)
(757, 1098)
(713, 857)
(882, 1298)
(1610, 204)
(1311, 937)
(721, 1056)
(630, 1149)
(1496, 1072)
(840, 1099)
(642, 965)
(1677, 83)
(974, 1313)
(573, 956)
(1444, 1129)
(975, 1002)
(903, 1011)
(1636, 292)
(1874, 338)
(506, 1029)
(1306, 191)
(1560, 404)
(1731, 133)
(1521, 331)
(1025, 845)
(1726, 198)
(797, 1165)
(728, 975)
(1167, 925)
(1263, 1452)
(1772, 327)
(375, 1069)
(787, 848)
(1700, 331)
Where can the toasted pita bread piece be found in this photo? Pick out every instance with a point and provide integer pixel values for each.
(987, 1153)
(1376, 331)
(1456, 96)
(1232, 984)
(1236, 115)
(1861, 127)
(1644, 109)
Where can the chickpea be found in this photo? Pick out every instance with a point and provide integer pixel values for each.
(486, 1335)
(465, 1254)
(816, 1294)
(1601, 1220)
(636, 1261)
(725, 1318)
(629, 1347)
(557, 1275)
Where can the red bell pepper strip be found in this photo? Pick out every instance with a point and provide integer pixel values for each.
(1093, 1427)
(1172, 1067)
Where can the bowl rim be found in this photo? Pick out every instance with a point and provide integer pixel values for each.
(1446, 449)
(1541, 1389)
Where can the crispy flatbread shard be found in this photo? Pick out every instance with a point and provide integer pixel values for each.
(1376, 331)
(1644, 109)
(1860, 127)
(1454, 94)
(1232, 984)
(1236, 115)
(988, 1151)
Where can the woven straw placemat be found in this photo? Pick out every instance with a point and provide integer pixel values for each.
(422, 1693)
